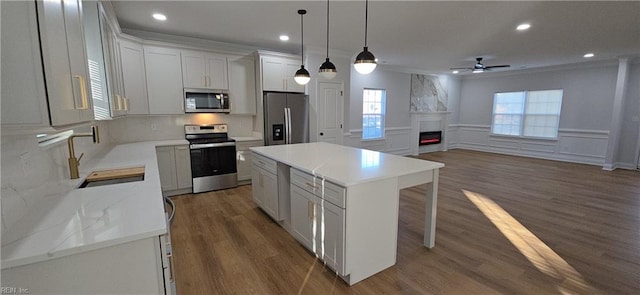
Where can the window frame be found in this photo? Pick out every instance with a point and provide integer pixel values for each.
(382, 114)
(524, 116)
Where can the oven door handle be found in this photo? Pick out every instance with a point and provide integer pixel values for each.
(211, 145)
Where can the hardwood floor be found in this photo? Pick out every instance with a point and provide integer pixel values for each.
(505, 225)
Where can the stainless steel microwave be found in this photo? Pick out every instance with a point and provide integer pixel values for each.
(206, 101)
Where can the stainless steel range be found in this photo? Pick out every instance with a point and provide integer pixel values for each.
(213, 157)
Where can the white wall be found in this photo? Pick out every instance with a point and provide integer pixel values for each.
(343, 66)
(398, 131)
(627, 148)
(146, 128)
(584, 122)
(30, 173)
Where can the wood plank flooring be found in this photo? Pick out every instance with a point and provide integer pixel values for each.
(505, 225)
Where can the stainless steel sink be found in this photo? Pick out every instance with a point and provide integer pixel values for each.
(87, 183)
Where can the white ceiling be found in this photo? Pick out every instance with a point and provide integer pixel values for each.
(425, 35)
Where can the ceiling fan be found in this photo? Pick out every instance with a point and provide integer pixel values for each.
(479, 67)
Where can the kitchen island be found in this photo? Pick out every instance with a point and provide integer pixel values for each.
(342, 202)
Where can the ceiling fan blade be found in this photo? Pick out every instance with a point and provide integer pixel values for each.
(500, 66)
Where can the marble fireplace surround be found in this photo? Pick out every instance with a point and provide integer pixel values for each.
(428, 121)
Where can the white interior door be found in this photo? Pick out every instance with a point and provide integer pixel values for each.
(330, 104)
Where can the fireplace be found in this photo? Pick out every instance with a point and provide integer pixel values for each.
(430, 137)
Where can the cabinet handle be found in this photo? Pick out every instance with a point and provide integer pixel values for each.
(83, 93)
(311, 185)
(118, 103)
(181, 148)
(309, 209)
(85, 99)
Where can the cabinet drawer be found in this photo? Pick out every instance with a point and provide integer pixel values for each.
(332, 192)
(265, 163)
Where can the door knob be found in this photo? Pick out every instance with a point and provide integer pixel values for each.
(321, 133)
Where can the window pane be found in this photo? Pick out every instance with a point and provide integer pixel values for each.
(373, 105)
(508, 103)
(542, 113)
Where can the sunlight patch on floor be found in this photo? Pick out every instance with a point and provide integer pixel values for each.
(535, 250)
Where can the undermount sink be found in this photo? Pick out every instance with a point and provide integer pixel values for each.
(113, 176)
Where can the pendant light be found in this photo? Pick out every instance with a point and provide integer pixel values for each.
(302, 76)
(327, 69)
(365, 61)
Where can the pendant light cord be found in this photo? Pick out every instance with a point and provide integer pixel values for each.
(327, 28)
(302, 37)
(366, 17)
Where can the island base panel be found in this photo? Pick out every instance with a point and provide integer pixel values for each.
(371, 231)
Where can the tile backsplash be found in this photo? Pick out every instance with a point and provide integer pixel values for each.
(146, 128)
(31, 173)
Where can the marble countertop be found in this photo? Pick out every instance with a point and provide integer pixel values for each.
(344, 165)
(86, 219)
(246, 138)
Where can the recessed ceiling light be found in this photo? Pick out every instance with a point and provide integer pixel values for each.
(455, 72)
(284, 38)
(588, 55)
(159, 16)
(523, 27)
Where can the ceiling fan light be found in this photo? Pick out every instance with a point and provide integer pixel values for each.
(328, 70)
(477, 70)
(302, 76)
(365, 62)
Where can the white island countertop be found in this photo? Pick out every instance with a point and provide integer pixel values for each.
(344, 165)
(86, 219)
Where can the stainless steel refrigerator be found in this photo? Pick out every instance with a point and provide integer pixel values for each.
(286, 118)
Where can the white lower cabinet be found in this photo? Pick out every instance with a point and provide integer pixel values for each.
(265, 191)
(316, 222)
(137, 267)
(244, 159)
(264, 185)
(174, 166)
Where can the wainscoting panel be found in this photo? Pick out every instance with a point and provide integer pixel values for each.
(396, 141)
(572, 145)
(504, 143)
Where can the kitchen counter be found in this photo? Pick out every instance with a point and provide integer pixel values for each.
(86, 219)
(246, 138)
(344, 165)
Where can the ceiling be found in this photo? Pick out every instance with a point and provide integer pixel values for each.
(424, 35)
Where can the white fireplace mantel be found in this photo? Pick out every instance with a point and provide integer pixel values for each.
(428, 121)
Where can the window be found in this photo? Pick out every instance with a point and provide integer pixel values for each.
(527, 113)
(373, 106)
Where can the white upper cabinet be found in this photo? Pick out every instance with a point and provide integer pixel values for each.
(133, 77)
(60, 53)
(24, 98)
(277, 74)
(204, 70)
(115, 96)
(242, 85)
(164, 80)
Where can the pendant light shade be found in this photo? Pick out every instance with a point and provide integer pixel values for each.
(328, 69)
(365, 61)
(302, 76)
